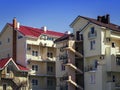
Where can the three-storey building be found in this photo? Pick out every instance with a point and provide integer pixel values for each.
(32, 48)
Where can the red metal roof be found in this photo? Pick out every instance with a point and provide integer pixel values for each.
(5, 61)
(22, 68)
(36, 32)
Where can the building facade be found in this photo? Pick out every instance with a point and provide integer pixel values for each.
(92, 55)
(32, 48)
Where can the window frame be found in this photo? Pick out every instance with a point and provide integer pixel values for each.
(34, 82)
(35, 67)
(92, 44)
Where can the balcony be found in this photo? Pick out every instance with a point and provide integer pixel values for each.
(75, 52)
(92, 35)
(63, 57)
(115, 51)
(69, 80)
(47, 43)
(113, 86)
(7, 75)
(90, 68)
(72, 66)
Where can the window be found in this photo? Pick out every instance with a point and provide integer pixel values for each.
(50, 68)
(62, 67)
(8, 55)
(50, 54)
(0, 42)
(8, 70)
(35, 67)
(8, 40)
(50, 38)
(92, 78)
(34, 53)
(34, 82)
(96, 64)
(19, 36)
(113, 78)
(4, 86)
(92, 30)
(118, 60)
(113, 45)
(50, 82)
(92, 45)
(92, 33)
(28, 48)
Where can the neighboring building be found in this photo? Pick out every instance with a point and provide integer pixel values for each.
(69, 63)
(98, 41)
(13, 76)
(32, 48)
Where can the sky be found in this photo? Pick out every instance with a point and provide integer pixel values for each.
(57, 15)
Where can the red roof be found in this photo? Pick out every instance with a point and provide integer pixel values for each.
(36, 32)
(5, 61)
(22, 68)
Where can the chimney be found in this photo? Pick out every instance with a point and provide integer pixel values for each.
(99, 18)
(107, 18)
(67, 32)
(44, 28)
(14, 23)
(104, 19)
(18, 25)
(14, 51)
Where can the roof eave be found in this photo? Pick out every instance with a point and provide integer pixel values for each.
(74, 21)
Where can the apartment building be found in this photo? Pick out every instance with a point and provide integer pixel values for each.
(89, 58)
(32, 48)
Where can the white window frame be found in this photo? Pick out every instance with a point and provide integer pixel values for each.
(35, 67)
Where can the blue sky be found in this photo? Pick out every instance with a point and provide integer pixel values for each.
(56, 14)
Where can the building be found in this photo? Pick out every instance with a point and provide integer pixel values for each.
(90, 58)
(13, 76)
(33, 48)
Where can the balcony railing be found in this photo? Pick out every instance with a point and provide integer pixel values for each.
(63, 57)
(92, 35)
(8, 75)
(90, 68)
(113, 85)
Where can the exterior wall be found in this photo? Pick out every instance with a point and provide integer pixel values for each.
(6, 45)
(43, 68)
(79, 25)
(21, 49)
(97, 48)
(42, 52)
